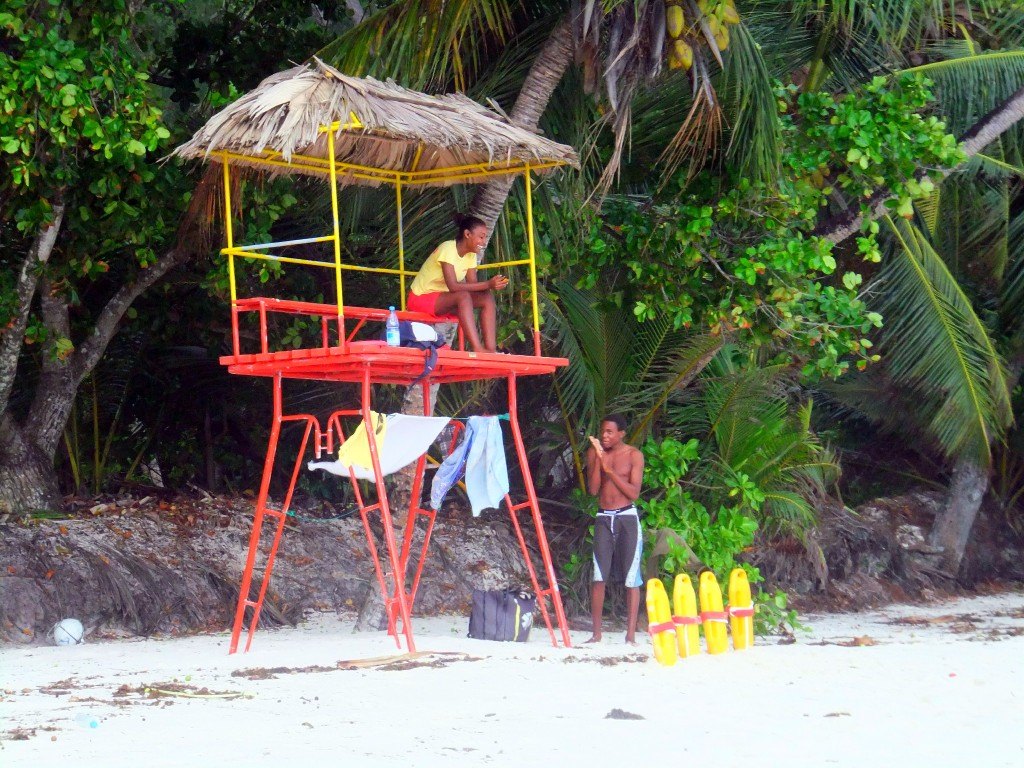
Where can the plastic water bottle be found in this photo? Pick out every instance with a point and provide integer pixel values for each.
(86, 720)
(391, 333)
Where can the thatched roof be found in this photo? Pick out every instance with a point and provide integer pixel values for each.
(399, 130)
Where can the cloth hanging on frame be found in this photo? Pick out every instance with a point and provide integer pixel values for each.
(356, 450)
(451, 470)
(481, 456)
(405, 439)
(486, 470)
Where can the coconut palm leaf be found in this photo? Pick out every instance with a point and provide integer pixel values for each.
(425, 44)
(928, 209)
(574, 384)
(742, 415)
(1011, 298)
(969, 84)
(679, 360)
(785, 43)
(747, 95)
(969, 228)
(993, 166)
(605, 336)
(936, 343)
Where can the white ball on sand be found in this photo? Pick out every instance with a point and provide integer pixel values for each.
(68, 632)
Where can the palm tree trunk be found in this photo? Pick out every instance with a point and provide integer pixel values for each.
(967, 488)
(952, 526)
(541, 81)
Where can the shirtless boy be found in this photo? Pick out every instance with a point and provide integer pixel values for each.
(615, 471)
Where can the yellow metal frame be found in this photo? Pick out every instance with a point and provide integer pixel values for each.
(330, 167)
(320, 166)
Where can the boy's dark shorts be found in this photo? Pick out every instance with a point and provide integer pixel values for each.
(618, 546)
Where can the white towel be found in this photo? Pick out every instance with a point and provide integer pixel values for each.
(406, 439)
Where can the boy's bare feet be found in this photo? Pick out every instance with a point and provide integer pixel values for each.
(593, 639)
(632, 641)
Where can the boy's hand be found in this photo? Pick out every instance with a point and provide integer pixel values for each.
(602, 457)
(498, 282)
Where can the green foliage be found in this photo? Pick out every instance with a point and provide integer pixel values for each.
(673, 514)
(732, 256)
(757, 442)
(938, 344)
(950, 288)
(715, 539)
(774, 615)
(880, 138)
(75, 109)
(423, 43)
(82, 128)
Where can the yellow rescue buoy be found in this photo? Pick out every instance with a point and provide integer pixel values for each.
(659, 623)
(741, 610)
(712, 614)
(684, 604)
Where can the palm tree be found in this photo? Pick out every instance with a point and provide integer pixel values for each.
(953, 344)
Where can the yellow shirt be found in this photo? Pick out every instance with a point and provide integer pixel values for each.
(430, 278)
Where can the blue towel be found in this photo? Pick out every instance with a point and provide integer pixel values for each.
(486, 471)
(450, 471)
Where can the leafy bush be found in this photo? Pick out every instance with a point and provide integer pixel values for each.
(713, 539)
(753, 464)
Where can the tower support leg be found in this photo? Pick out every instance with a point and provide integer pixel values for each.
(416, 511)
(396, 602)
(551, 590)
(262, 512)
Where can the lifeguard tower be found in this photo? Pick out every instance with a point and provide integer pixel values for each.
(316, 121)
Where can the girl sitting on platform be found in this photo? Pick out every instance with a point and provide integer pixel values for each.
(446, 284)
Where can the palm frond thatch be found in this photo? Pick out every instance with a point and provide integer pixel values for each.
(401, 129)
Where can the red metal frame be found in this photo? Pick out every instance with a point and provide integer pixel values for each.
(368, 363)
(263, 305)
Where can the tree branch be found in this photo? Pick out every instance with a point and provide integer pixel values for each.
(55, 391)
(13, 336)
(90, 351)
(981, 134)
(194, 236)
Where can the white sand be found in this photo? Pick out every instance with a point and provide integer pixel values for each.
(933, 694)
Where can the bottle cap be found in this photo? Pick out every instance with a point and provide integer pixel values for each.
(391, 309)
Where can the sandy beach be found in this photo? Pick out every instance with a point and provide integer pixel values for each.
(936, 685)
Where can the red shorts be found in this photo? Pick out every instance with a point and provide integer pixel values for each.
(422, 302)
